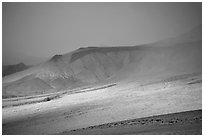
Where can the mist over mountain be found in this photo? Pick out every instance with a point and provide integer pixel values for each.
(84, 66)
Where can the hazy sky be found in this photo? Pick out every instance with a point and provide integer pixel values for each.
(34, 32)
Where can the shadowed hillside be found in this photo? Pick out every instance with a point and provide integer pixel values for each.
(10, 69)
(179, 55)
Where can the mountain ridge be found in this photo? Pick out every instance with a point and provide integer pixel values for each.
(90, 65)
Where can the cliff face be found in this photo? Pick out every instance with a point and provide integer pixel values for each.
(96, 64)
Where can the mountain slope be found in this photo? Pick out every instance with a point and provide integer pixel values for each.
(97, 64)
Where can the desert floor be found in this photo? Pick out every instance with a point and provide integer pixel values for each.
(68, 113)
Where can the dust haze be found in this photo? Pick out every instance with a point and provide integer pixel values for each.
(102, 68)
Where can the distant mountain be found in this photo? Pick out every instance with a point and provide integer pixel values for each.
(84, 66)
(10, 69)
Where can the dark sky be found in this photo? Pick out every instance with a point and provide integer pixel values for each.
(34, 32)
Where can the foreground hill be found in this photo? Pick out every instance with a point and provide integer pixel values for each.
(85, 66)
(183, 123)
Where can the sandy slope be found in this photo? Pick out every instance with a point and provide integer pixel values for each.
(182, 123)
(128, 100)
